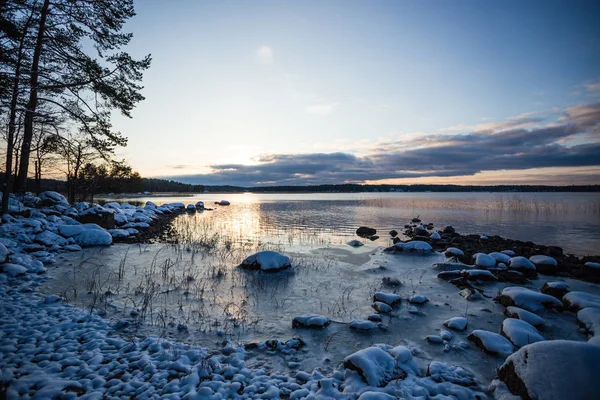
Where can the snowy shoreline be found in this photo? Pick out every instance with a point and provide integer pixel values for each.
(50, 348)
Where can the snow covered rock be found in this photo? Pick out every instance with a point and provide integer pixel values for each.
(381, 307)
(527, 299)
(118, 233)
(435, 339)
(524, 315)
(523, 265)
(3, 253)
(269, 261)
(376, 396)
(96, 214)
(456, 323)
(578, 300)
(13, 269)
(519, 332)
(589, 318)
(500, 257)
(375, 366)
(93, 237)
(388, 298)
(555, 289)
(544, 264)
(50, 198)
(74, 230)
(435, 236)
(200, 205)
(453, 252)
(591, 271)
(491, 343)
(224, 203)
(483, 260)
(553, 370)
(310, 321)
(418, 299)
(364, 325)
(414, 246)
(442, 372)
(48, 238)
(479, 275)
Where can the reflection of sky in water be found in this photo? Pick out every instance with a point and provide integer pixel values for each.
(569, 220)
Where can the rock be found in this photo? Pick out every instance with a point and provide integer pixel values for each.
(449, 275)
(388, 298)
(591, 271)
(442, 372)
(511, 276)
(365, 231)
(500, 257)
(98, 215)
(528, 299)
(268, 261)
(362, 325)
(553, 369)
(381, 307)
(310, 321)
(456, 323)
(544, 264)
(555, 289)
(355, 243)
(480, 275)
(200, 205)
(373, 238)
(453, 252)
(223, 203)
(375, 318)
(483, 260)
(524, 315)
(449, 229)
(375, 366)
(519, 332)
(50, 198)
(393, 233)
(414, 246)
(376, 396)
(391, 281)
(575, 301)
(435, 339)
(48, 239)
(435, 236)
(491, 343)
(191, 208)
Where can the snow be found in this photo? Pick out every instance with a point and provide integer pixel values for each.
(528, 299)
(579, 300)
(454, 252)
(524, 315)
(375, 366)
(53, 198)
(589, 318)
(118, 233)
(500, 257)
(93, 237)
(520, 333)
(414, 246)
(543, 260)
(492, 342)
(388, 298)
(442, 372)
(456, 323)
(553, 370)
(48, 238)
(435, 236)
(13, 269)
(267, 260)
(311, 321)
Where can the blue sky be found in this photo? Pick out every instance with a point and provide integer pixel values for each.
(248, 92)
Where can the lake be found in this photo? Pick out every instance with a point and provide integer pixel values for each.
(568, 220)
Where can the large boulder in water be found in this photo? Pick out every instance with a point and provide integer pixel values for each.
(365, 231)
(268, 261)
(553, 369)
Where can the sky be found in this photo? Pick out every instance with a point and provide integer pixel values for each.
(307, 92)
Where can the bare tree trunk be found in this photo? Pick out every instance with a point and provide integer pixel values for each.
(21, 180)
(12, 124)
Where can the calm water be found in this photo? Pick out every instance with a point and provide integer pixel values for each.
(569, 220)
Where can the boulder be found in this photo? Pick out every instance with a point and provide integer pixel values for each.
(50, 198)
(98, 215)
(374, 365)
(310, 321)
(519, 332)
(491, 343)
(555, 289)
(524, 315)
(544, 264)
(553, 370)
(528, 299)
(575, 301)
(365, 231)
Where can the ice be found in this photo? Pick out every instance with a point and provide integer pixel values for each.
(553, 369)
(492, 342)
(311, 321)
(528, 299)
(589, 318)
(375, 366)
(524, 315)
(578, 300)
(519, 332)
(267, 260)
(388, 298)
(456, 323)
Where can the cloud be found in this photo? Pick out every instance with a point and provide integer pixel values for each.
(498, 148)
(322, 109)
(593, 87)
(179, 166)
(265, 55)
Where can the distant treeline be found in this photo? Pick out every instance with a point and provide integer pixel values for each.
(148, 184)
(356, 188)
